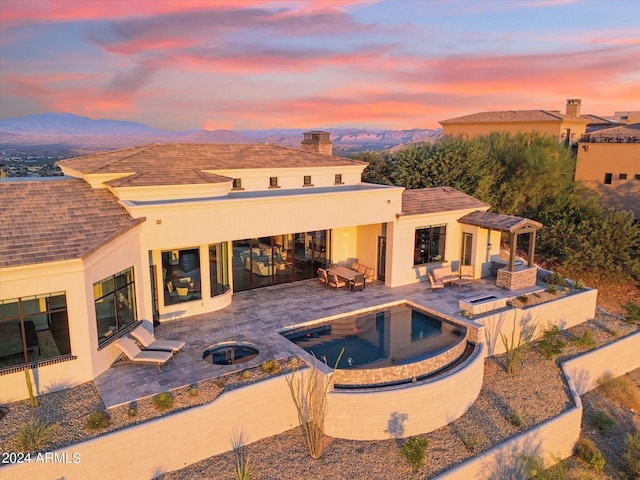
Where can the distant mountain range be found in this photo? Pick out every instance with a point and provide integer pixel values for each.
(75, 135)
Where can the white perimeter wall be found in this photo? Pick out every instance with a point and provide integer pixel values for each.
(555, 438)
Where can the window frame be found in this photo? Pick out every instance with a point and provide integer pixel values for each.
(123, 305)
(45, 308)
(428, 239)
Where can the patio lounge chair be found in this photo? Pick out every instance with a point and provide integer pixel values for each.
(435, 283)
(149, 342)
(134, 354)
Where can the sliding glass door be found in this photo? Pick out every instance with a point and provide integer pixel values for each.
(264, 261)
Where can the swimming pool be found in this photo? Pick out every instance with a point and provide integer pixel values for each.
(383, 346)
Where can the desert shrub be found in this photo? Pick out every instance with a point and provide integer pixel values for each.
(587, 451)
(246, 374)
(98, 420)
(516, 418)
(532, 467)
(620, 390)
(517, 346)
(412, 450)
(471, 441)
(552, 344)
(555, 279)
(552, 289)
(578, 284)
(193, 390)
(602, 421)
(270, 366)
(309, 395)
(632, 310)
(220, 383)
(631, 455)
(34, 436)
(523, 298)
(586, 340)
(132, 410)
(163, 401)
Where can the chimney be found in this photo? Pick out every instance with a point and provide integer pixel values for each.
(317, 141)
(573, 107)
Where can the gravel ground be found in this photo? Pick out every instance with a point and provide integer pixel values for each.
(536, 393)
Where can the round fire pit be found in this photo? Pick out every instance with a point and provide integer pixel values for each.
(230, 353)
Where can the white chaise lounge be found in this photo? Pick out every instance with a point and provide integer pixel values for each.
(134, 354)
(149, 342)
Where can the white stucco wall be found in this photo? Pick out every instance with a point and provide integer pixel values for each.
(75, 278)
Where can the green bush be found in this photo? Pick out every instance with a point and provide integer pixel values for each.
(132, 411)
(412, 451)
(163, 401)
(555, 279)
(34, 436)
(631, 455)
(193, 390)
(602, 421)
(552, 344)
(587, 451)
(552, 289)
(98, 420)
(587, 340)
(632, 312)
(578, 284)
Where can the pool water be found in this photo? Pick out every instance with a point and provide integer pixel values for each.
(389, 337)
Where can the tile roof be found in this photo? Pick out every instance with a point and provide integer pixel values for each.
(182, 164)
(497, 221)
(511, 116)
(620, 132)
(437, 199)
(56, 218)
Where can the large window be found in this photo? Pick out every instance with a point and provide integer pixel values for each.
(33, 329)
(115, 302)
(181, 275)
(276, 259)
(430, 243)
(219, 270)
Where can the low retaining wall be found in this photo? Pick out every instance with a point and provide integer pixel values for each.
(398, 412)
(556, 437)
(564, 312)
(615, 359)
(169, 443)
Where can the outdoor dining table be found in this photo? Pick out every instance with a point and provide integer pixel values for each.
(344, 273)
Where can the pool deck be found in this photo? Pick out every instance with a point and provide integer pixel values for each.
(257, 316)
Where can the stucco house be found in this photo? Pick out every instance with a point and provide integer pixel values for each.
(608, 162)
(161, 232)
(568, 128)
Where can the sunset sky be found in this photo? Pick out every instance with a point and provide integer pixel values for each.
(190, 64)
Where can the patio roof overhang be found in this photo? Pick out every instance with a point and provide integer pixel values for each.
(510, 224)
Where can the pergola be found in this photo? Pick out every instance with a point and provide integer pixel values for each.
(510, 224)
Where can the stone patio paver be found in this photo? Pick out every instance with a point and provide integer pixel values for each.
(257, 316)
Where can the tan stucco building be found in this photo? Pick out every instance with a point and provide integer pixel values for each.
(567, 128)
(608, 162)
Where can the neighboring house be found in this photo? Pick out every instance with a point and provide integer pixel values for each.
(568, 128)
(608, 162)
(168, 231)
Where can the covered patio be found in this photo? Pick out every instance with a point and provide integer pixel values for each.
(256, 316)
